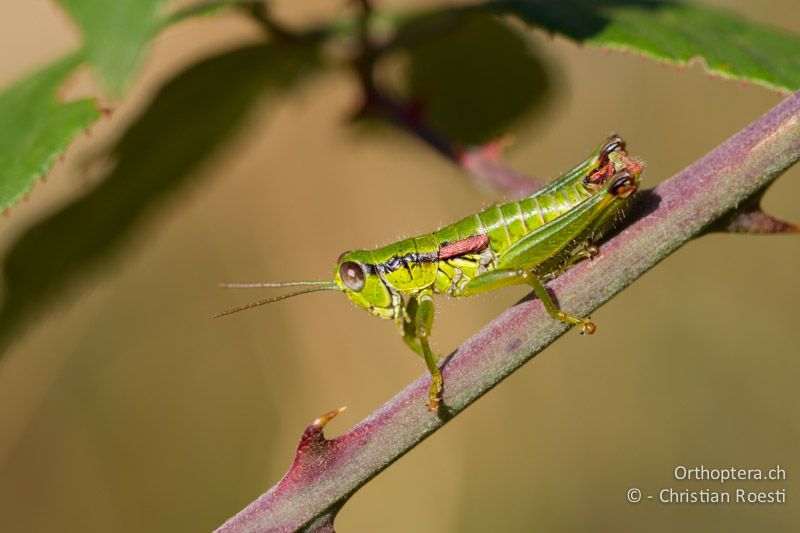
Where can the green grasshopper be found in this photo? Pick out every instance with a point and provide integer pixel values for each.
(529, 241)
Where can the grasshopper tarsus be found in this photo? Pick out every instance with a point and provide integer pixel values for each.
(433, 402)
(588, 327)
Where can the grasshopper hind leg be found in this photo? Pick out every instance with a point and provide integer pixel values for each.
(586, 325)
(495, 279)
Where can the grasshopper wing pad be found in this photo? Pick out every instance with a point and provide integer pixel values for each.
(546, 242)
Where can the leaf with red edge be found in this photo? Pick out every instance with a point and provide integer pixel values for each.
(36, 128)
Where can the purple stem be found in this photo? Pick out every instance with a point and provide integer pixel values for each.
(483, 162)
(326, 473)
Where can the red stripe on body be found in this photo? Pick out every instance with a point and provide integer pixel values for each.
(475, 243)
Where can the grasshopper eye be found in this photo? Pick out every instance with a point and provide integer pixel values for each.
(613, 144)
(623, 185)
(352, 275)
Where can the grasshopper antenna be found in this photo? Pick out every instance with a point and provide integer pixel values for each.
(273, 285)
(317, 286)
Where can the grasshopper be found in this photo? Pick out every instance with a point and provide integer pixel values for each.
(529, 241)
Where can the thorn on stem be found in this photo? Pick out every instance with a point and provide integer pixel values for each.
(327, 417)
(313, 437)
(756, 221)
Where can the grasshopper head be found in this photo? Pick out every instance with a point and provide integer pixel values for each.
(618, 190)
(625, 180)
(612, 160)
(357, 276)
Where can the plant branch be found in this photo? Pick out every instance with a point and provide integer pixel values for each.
(481, 162)
(325, 473)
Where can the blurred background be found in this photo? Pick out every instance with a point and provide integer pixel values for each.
(127, 408)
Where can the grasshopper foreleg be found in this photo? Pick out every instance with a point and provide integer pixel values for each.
(417, 328)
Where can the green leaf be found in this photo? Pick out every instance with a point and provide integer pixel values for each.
(728, 45)
(116, 33)
(207, 8)
(189, 119)
(35, 128)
